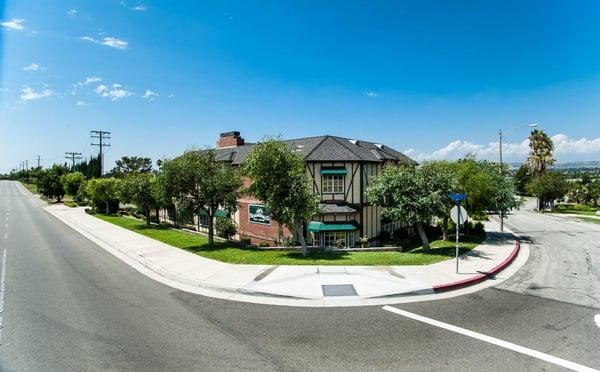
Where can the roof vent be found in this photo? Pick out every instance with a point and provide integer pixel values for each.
(376, 154)
(298, 147)
(354, 142)
(379, 145)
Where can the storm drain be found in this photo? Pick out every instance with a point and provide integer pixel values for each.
(331, 290)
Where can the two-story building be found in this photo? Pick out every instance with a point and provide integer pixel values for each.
(340, 169)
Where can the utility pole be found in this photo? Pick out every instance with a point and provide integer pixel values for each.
(101, 136)
(39, 160)
(27, 165)
(73, 156)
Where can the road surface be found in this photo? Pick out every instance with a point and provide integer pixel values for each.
(68, 305)
(564, 262)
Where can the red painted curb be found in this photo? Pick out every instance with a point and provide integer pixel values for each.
(481, 277)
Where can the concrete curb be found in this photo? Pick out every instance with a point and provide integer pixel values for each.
(481, 277)
(218, 290)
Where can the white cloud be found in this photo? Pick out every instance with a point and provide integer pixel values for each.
(115, 92)
(150, 95)
(72, 12)
(109, 41)
(28, 94)
(370, 93)
(89, 80)
(34, 67)
(113, 42)
(13, 24)
(564, 147)
(80, 103)
(139, 8)
(171, 95)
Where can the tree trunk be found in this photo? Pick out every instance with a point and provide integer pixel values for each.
(147, 216)
(445, 234)
(211, 233)
(423, 236)
(158, 215)
(302, 240)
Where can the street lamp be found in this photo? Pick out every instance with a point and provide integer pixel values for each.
(501, 161)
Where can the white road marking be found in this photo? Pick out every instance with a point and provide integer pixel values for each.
(492, 340)
(2, 281)
(597, 320)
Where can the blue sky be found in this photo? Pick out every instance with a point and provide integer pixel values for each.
(436, 79)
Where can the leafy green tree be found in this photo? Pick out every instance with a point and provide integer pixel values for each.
(279, 180)
(49, 183)
(104, 192)
(548, 187)
(72, 183)
(522, 178)
(131, 164)
(198, 181)
(444, 175)
(409, 195)
(140, 189)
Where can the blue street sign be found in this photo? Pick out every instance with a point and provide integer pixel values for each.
(457, 197)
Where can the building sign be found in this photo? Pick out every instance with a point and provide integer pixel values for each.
(258, 214)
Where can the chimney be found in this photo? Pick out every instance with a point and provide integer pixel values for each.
(230, 139)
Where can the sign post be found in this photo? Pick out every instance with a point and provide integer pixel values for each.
(459, 216)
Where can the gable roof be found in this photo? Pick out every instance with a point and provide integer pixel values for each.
(323, 148)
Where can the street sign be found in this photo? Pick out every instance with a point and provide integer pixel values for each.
(459, 218)
(457, 198)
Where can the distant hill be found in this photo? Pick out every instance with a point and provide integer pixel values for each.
(592, 164)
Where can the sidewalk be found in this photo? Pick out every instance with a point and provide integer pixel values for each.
(302, 285)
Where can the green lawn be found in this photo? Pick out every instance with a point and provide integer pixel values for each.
(583, 210)
(229, 252)
(590, 219)
(31, 187)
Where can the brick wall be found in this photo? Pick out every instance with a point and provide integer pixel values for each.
(257, 232)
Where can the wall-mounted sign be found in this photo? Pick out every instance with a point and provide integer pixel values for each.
(258, 214)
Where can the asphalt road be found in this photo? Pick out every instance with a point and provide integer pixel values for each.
(564, 263)
(69, 305)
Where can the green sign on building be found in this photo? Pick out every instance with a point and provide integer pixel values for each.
(258, 214)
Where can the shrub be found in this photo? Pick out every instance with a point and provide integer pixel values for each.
(263, 244)
(245, 241)
(49, 182)
(103, 193)
(225, 227)
(72, 182)
(71, 204)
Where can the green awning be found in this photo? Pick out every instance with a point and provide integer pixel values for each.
(221, 213)
(341, 171)
(318, 226)
(218, 213)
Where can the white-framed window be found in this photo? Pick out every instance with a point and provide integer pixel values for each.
(340, 239)
(203, 220)
(333, 183)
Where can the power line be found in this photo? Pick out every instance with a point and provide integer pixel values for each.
(73, 156)
(102, 137)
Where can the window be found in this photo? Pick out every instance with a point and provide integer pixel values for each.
(203, 219)
(333, 183)
(339, 239)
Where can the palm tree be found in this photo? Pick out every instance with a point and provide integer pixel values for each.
(540, 155)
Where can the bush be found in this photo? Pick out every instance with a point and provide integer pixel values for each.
(72, 182)
(225, 227)
(103, 193)
(245, 241)
(385, 237)
(263, 244)
(71, 204)
(49, 182)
